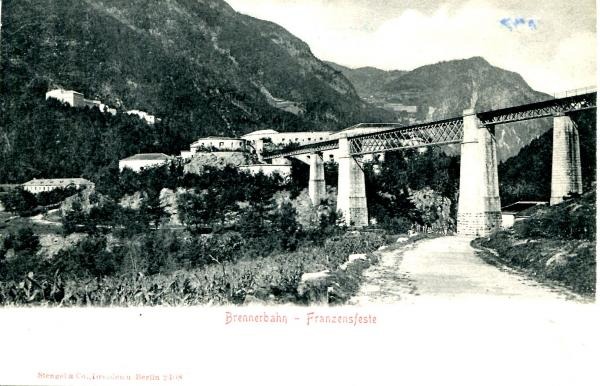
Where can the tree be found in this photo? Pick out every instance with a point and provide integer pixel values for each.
(88, 258)
(74, 219)
(432, 208)
(195, 210)
(286, 226)
(23, 241)
(19, 201)
(153, 209)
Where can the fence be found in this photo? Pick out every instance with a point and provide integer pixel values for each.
(574, 92)
(436, 229)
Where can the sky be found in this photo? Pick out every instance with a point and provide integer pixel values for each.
(552, 44)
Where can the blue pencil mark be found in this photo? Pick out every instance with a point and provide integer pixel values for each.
(515, 23)
(532, 24)
(506, 22)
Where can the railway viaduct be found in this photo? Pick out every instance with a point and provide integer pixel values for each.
(479, 199)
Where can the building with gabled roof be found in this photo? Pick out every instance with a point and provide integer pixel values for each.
(48, 184)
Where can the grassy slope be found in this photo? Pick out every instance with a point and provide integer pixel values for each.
(556, 245)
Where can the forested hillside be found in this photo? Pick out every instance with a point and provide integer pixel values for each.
(527, 176)
(200, 66)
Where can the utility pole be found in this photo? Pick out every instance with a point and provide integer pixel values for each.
(0, 22)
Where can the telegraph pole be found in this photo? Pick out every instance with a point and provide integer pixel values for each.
(0, 21)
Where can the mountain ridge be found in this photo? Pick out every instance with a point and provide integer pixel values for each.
(447, 88)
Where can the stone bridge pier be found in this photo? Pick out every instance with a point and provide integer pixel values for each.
(566, 159)
(316, 182)
(351, 196)
(479, 198)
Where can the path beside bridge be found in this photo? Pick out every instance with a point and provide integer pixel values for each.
(445, 268)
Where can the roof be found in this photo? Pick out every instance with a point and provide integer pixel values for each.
(215, 137)
(62, 90)
(57, 182)
(147, 157)
(520, 206)
(260, 132)
(305, 132)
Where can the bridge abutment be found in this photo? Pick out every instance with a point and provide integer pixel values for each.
(316, 182)
(566, 159)
(479, 198)
(351, 197)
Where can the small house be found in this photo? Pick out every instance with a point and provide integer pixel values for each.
(514, 212)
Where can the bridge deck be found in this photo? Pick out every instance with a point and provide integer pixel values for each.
(447, 131)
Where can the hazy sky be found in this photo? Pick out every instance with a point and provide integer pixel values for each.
(551, 43)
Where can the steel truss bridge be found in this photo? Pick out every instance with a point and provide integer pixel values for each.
(448, 131)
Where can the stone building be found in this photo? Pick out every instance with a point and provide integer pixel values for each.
(215, 144)
(258, 139)
(219, 144)
(277, 138)
(70, 97)
(143, 161)
(283, 169)
(149, 118)
(76, 99)
(101, 106)
(46, 185)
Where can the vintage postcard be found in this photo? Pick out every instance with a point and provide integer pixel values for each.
(298, 192)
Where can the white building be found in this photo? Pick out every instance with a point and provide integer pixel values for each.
(76, 99)
(71, 97)
(284, 170)
(143, 161)
(149, 118)
(514, 212)
(218, 144)
(398, 107)
(46, 185)
(300, 137)
(257, 140)
(101, 106)
(213, 144)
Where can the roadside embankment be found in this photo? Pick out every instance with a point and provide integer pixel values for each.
(554, 245)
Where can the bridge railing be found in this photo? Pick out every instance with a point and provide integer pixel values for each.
(574, 92)
(319, 146)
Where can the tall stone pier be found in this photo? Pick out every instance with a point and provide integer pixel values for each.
(316, 182)
(566, 160)
(479, 198)
(351, 197)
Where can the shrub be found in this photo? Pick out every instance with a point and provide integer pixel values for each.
(19, 201)
(89, 258)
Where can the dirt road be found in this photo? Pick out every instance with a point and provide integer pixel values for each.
(444, 268)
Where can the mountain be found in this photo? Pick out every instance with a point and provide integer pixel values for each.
(368, 81)
(197, 60)
(445, 89)
(201, 67)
